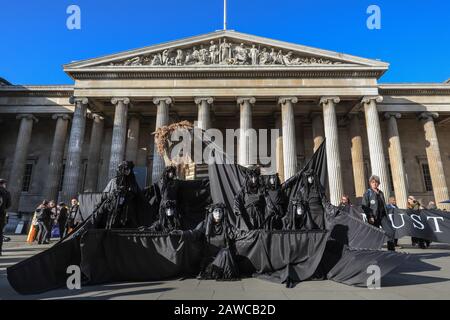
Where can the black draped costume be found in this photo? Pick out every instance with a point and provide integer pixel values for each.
(169, 218)
(305, 210)
(275, 203)
(118, 206)
(249, 203)
(218, 262)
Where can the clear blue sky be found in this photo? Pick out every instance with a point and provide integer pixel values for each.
(35, 42)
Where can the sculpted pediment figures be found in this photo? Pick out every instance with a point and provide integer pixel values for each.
(223, 52)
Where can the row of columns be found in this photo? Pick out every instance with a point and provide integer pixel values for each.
(124, 145)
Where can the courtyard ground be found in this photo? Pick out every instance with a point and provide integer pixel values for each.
(426, 276)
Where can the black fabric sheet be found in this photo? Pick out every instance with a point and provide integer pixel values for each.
(128, 255)
(284, 256)
(355, 233)
(46, 270)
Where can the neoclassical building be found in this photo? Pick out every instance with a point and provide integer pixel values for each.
(57, 141)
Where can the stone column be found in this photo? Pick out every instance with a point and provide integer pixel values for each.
(119, 134)
(162, 119)
(317, 130)
(20, 158)
(76, 139)
(300, 142)
(279, 147)
(332, 147)
(375, 140)
(289, 143)
(95, 148)
(204, 114)
(134, 125)
(440, 188)
(56, 156)
(357, 156)
(396, 160)
(245, 136)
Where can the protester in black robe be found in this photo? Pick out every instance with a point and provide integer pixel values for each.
(118, 207)
(249, 203)
(169, 184)
(167, 188)
(275, 202)
(169, 218)
(306, 209)
(218, 260)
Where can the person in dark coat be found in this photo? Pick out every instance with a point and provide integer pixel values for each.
(306, 210)
(249, 204)
(169, 218)
(5, 203)
(374, 206)
(218, 261)
(74, 217)
(414, 205)
(275, 202)
(392, 204)
(345, 204)
(61, 219)
(43, 218)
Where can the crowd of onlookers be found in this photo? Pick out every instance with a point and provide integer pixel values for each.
(50, 218)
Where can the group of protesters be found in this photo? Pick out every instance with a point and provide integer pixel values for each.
(49, 214)
(375, 208)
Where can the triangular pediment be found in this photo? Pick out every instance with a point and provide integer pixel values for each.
(224, 49)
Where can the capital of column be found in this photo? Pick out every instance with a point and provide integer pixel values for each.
(79, 100)
(62, 116)
(428, 116)
(326, 100)
(241, 100)
(389, 115)
(199, 100)
(283, 100)
(166, 100)
(368, 99)
(123, 100)
(27, 116)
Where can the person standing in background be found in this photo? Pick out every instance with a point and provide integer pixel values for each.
(374, 206)
(414, 205)
(61, 218)
(5, 203)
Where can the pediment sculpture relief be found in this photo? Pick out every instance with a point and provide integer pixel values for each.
(224, 53)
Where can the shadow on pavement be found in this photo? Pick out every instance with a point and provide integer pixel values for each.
(406, 275)
(99, 292)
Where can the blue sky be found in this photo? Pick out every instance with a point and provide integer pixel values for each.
(35, 42)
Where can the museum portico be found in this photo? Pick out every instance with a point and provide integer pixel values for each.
(61, 140)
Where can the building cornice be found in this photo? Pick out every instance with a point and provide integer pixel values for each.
(226, 73)
(414, 89)
(37, 91)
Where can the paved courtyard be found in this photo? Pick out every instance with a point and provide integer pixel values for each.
(426, 276)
